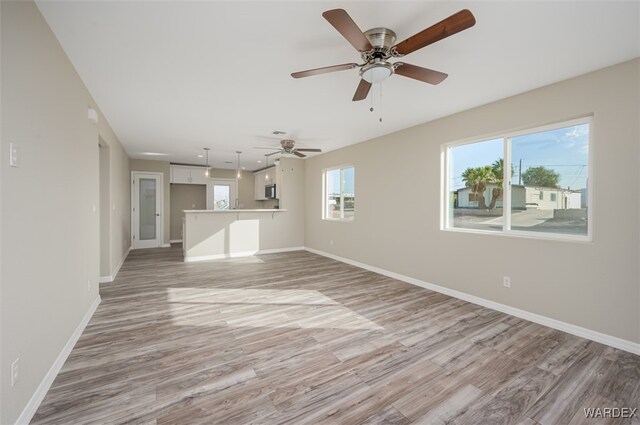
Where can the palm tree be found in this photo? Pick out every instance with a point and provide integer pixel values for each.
(498, 176)
(477, 179)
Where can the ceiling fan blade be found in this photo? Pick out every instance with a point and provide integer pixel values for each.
(298, 154)
(443, 29)
(419, 73)
(323, 70)
(265, 147)
(342, 22)
(273, 153)
(309, 150)
(362, 91)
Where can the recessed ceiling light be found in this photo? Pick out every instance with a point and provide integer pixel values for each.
(259, 161)
(200, 156)
(154, 154)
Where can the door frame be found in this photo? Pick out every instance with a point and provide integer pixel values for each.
(159, 199)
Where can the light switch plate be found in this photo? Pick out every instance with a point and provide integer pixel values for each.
(13, 154)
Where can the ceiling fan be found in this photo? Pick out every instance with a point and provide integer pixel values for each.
(287, 147)
(376, 47)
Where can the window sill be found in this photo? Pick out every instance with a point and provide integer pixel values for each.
(524, 235)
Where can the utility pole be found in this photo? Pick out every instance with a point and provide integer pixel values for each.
(520, 173)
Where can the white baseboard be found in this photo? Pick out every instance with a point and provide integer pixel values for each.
(592, 335)
(165, 245)
(241, 254)
(114, 273)
(37, 397)
(175, 241)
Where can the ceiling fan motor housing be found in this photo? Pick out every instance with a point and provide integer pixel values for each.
(287, 144)
(381, 38)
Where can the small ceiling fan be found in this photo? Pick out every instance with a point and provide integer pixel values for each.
(287, 147)
(376, 47)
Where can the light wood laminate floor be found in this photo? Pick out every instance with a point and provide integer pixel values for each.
(298, 338)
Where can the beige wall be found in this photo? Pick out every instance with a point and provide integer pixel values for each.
(592, 285)
(164, 168)
(50, 232)
(185, 197)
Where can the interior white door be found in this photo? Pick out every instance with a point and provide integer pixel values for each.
(146, 194)
(222, 195)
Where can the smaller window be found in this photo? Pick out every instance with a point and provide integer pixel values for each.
(473, 197)
(541, 196)
(221, 197)
(553, 197)
(339, 194)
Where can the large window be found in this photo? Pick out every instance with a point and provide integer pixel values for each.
(533, 183)
(339, 194)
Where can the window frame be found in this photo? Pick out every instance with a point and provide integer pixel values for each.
(325, 171)
(507, 136)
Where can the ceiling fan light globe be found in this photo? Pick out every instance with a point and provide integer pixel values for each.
(376, 73)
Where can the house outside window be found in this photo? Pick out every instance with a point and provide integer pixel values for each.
(339, 194)
(499, 184)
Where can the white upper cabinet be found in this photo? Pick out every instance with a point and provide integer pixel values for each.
(181, 174)
(198, 176)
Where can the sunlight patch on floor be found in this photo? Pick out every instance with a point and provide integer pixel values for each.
(272, 308)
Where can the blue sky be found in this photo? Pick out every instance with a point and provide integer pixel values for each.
(564, 150)
(333, 182)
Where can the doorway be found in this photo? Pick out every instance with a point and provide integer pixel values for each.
(146, 210)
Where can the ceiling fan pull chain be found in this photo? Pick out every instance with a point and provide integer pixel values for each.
(380, 106)
(371, 101)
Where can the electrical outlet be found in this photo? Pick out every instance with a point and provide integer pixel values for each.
(14, 372)
(331, 242)
(506, 282)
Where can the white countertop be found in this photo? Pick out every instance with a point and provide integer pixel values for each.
(235, 211)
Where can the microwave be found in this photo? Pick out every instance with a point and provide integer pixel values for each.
(270, 191)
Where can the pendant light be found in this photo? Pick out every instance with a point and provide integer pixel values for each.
(207, 170)
(238, 170)
(266, 176)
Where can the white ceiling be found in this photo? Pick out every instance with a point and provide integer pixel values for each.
(174, 77)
